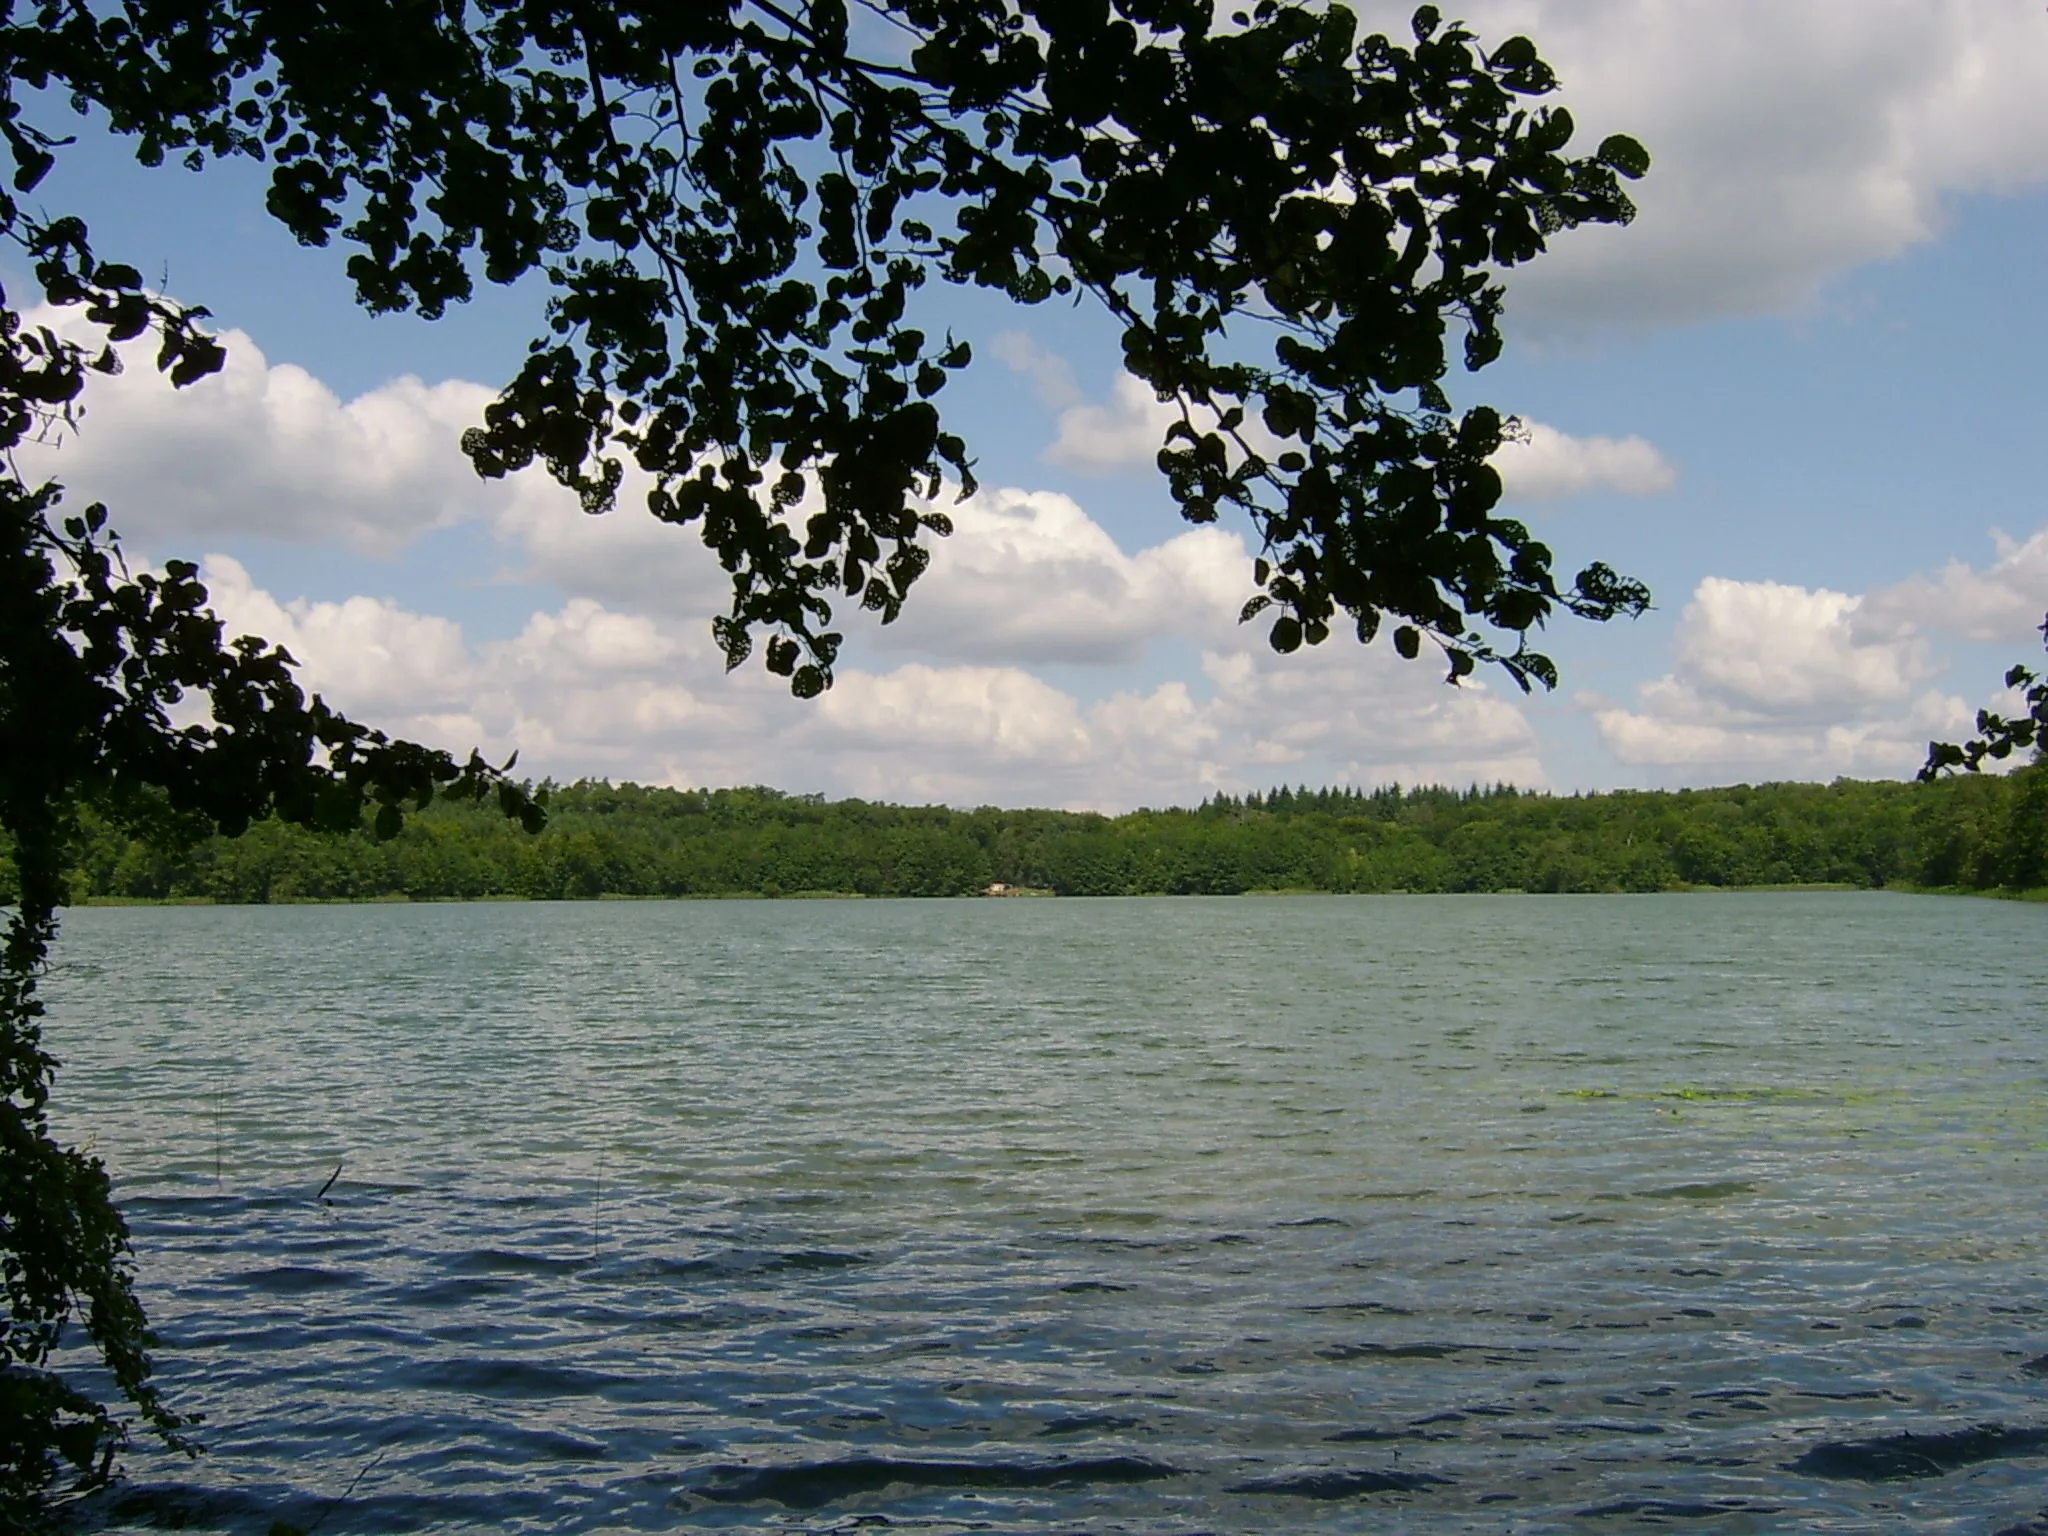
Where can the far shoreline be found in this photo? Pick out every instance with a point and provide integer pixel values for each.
(2037, 894)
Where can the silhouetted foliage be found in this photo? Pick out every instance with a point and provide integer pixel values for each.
(736, 205)
(1999, 737)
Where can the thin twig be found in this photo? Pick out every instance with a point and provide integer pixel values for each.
(341, 1498)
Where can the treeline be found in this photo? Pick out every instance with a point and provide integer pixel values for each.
(625, 840)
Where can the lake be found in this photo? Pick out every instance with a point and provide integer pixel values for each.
(1496, 1214)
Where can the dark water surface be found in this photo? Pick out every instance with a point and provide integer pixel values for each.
(1715, 1213)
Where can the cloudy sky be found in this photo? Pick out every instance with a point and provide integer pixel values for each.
(1804, 397)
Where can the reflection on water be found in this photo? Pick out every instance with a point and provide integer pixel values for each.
(1431, 1214)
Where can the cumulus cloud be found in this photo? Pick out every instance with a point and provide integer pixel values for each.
(1029, 577)
(590, 688)
(1890, 748)
(1125, 433)
(625, 558)
(410, 672)
(1026, 577)
(1545, 464)
(620, 676)
(1374, 717)
(1790, 142)
(264, 450)
(1772, 649)
(1774, 680)
(267, 450)
(2001, 603)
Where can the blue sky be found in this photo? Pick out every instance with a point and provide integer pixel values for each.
(1802, 397)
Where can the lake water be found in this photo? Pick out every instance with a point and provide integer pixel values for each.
(1425, 1214)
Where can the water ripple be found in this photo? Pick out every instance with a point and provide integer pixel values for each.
(1156, 1216)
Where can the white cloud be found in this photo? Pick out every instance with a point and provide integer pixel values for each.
(405, 671)
(594, 689)
(1338, 713)
(1775, 681)
(621, 677)
(1127, 433)
(1765, 648)
(264, 450)
(625, 558)
(1051, 376)
(958, 734)
(1375, 718)
(588, 640)
(1028, 577)
(978, 735)
(1890, 748)
(1545, 464)
(267, 450)
(1790, 142)
(2003, 603)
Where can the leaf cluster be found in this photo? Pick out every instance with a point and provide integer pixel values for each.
(1998, 736)
(735, 205)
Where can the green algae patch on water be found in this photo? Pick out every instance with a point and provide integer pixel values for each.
(1743, 1095)
(1720, 1189)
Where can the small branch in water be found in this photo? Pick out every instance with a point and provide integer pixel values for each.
(283, 1528)
(330, 1182)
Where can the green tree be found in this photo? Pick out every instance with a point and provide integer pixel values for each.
(2024, 865)
(2022, 861)
(734, 208)
(1973, 831)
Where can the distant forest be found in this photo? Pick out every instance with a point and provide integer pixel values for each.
(1965, 833)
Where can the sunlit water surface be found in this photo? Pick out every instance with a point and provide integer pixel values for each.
(1419, 1214)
